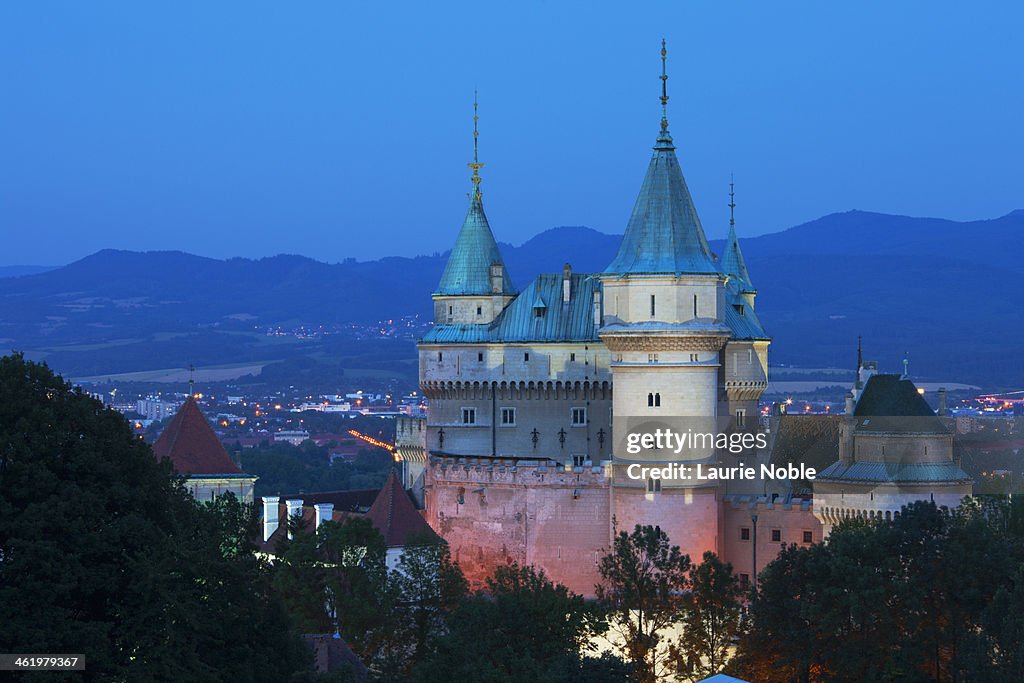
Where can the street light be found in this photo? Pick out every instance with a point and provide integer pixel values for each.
(753, 519)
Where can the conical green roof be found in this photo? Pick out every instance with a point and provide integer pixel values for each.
(664, 234)
(733, 264)
(468, 271)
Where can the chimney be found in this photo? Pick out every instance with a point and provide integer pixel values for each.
(324, 513)
(942, 401)
(497, 278)
(270, 519)
(566, 283)
(294, 510)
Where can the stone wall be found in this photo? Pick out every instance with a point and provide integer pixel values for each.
(791, 519)
(497, 511)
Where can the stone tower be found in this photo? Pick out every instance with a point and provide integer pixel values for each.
(670, 322)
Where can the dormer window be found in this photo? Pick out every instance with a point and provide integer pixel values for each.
(739, 308)
(538, 312)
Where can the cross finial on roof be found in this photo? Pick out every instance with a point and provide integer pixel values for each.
(732, 202)
(191, 379)
(664, 88)
(476, 165)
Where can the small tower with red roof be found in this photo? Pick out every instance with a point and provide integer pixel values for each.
(197, 454)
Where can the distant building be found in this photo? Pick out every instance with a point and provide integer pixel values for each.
(194, 450)
(156, 409)
(293, 436)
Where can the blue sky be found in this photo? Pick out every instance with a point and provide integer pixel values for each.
(342, 129)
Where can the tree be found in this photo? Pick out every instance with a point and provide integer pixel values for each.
(711, 621)
(103, 552)
(644, 585)
(430, 587)
(521, 627)
(915, 599)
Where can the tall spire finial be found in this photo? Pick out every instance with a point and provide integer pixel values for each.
(732, 202)
(476, 165)
(191, 380)
(664, 88)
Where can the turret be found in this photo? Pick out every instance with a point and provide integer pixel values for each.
(732, 263)
(475, 286)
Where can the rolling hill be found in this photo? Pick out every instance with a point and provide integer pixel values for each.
(938, 289)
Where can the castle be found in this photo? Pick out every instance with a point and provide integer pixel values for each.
(531, 391)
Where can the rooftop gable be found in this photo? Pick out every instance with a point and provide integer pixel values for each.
(190, 443)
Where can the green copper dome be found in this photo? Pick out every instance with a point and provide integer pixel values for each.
(664, 234)
(468, 271)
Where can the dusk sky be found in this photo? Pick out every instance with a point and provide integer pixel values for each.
(343, 129)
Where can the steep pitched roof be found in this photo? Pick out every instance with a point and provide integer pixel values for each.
(191, 444)
(745, 324)
(887, 395)
(734, 265)
(890, 403)
(519, 322)
(396, 518)
(468, 270)
(664, 234)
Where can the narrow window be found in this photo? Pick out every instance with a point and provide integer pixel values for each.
(508, 417)
(440, 356)
(469, 416)
(741, 418)
(578, 460)
(579, 417)
(654, 486)
(479, 310)
(650, 400)
(745, 533)
(572, 357)
(808, 538)
(694, 305)
(480, 356)
(750, 356)
(776, 535)
(652, 305)
(744, 581)
(526, 357)
(657, 400)
(450, 309)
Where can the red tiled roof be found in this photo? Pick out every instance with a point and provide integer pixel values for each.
(191, 444)
(395, 516)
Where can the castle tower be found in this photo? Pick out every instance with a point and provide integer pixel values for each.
(475, 286)
(664, 325)
(744, 372)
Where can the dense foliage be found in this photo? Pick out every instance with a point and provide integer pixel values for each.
(674, 620)
(933, 596)
(104, 553)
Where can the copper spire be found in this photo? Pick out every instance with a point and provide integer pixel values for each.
(664, 88)
(732, 202)
(476, 165)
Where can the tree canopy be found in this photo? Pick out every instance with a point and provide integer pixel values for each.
(104, 553)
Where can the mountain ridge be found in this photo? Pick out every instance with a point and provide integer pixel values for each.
(904, 283)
